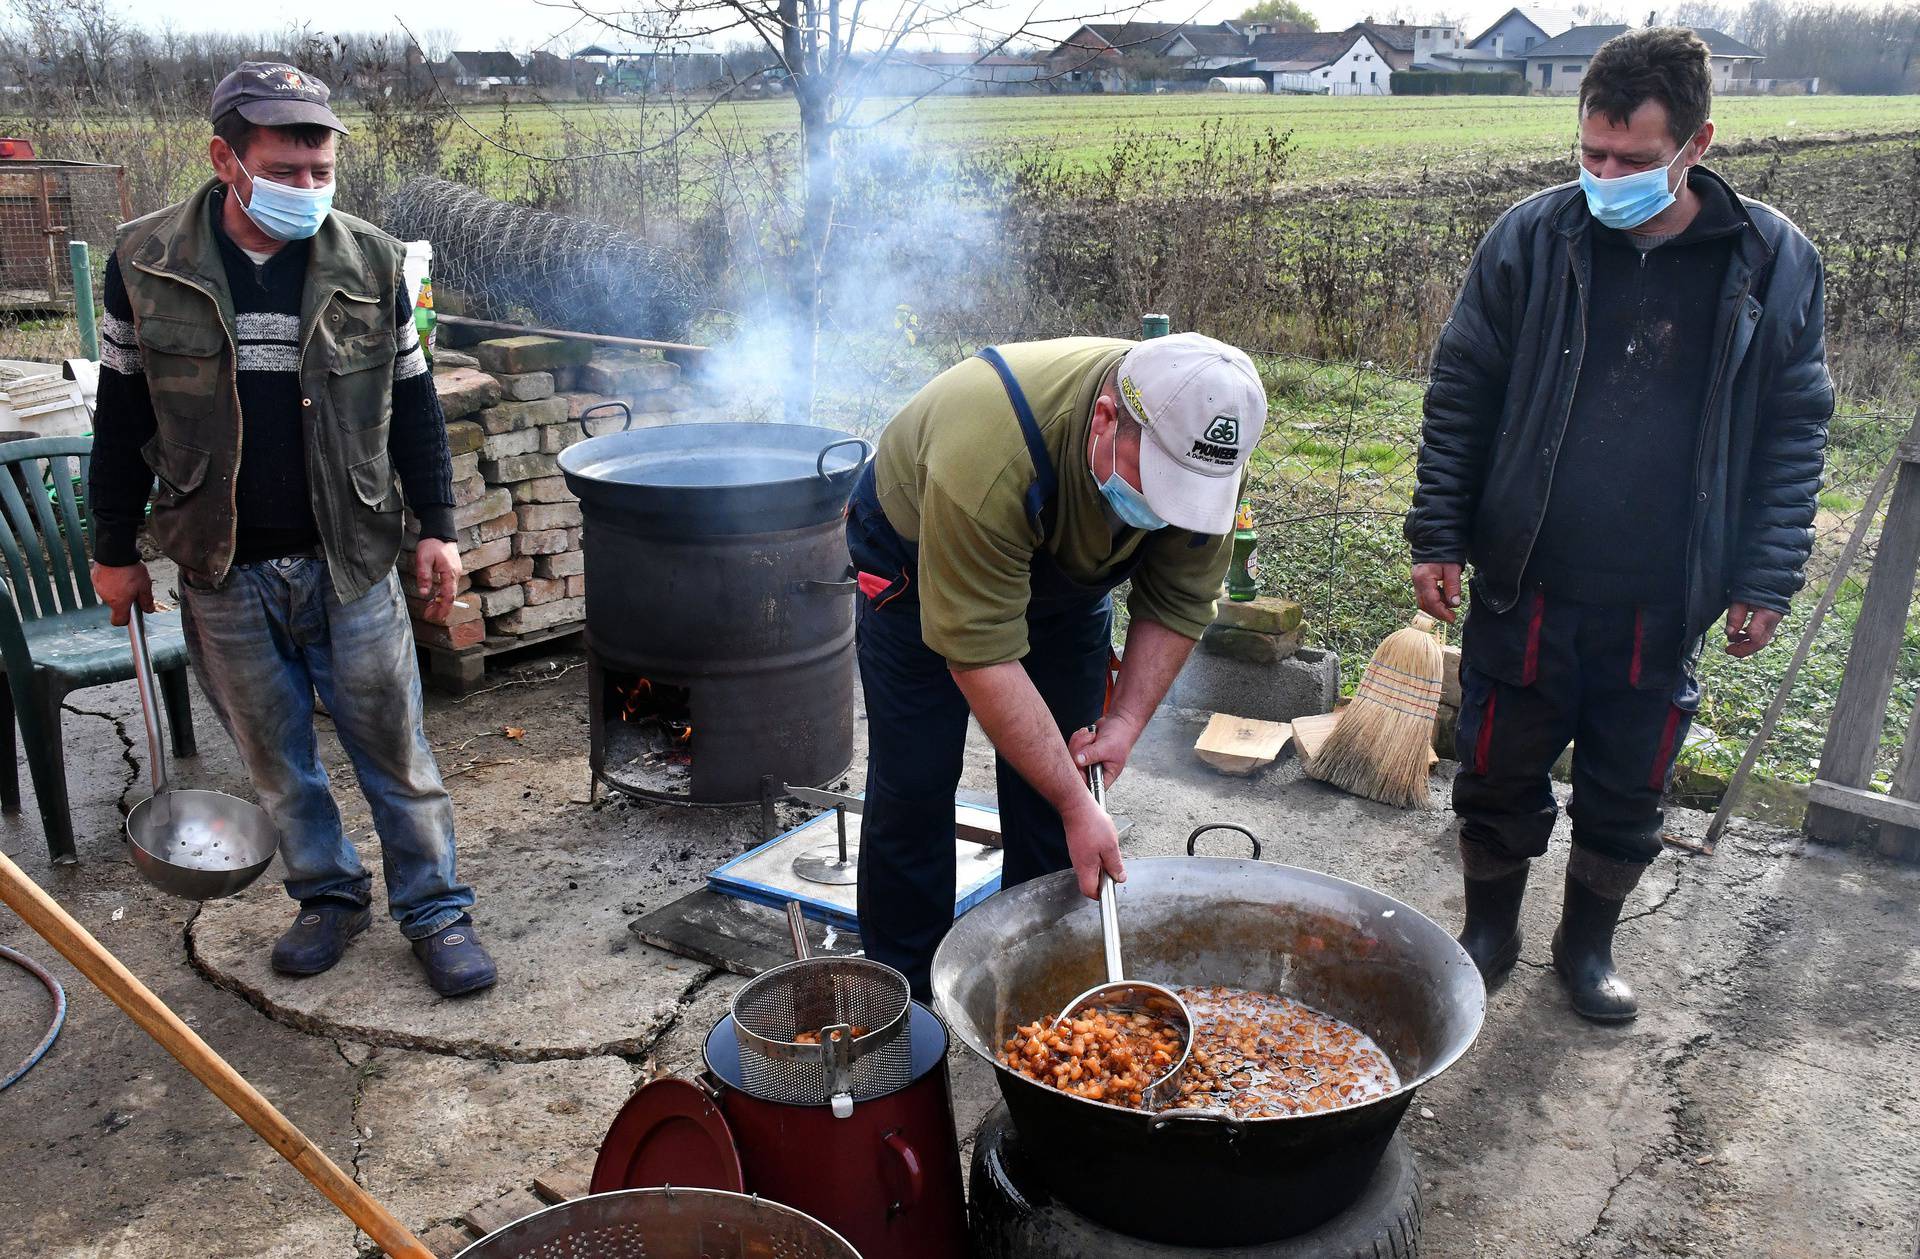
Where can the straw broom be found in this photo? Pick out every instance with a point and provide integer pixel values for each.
(1380, 747)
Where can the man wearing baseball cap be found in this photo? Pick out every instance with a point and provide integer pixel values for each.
(1003, 505)
(258, 358)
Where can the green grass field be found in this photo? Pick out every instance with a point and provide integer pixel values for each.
(1334, 136)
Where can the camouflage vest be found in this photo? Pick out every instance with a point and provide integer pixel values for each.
(183, 317)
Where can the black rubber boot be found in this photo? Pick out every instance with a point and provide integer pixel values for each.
(454, 959)
(1491, 935)
(318, 937)
(1583, 944)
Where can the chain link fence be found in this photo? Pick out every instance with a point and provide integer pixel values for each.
(1335, 475)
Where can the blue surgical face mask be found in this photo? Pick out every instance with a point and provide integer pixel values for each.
(1627, 201)
(283, 211)
(1127, 503)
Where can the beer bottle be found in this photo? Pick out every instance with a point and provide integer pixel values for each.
(1243, 575)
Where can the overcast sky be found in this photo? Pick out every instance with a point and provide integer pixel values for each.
(523, 24)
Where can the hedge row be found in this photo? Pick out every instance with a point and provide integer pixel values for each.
(1438, 83)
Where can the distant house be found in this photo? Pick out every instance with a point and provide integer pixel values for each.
(544, 69)
(902, 73)
(1558, 65)
(487, 69)
(669, 70)
(1358, 61)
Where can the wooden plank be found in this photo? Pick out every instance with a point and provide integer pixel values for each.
(569, 1180)
(1859, 715)
(1859, 802)
(447, 1240)
(491, 1217)
(1241, 745)
(1310, 735)
(976, 825)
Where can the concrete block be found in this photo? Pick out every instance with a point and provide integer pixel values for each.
(468, 463)
(469, 490)
(1265, 615)
(465, 634)
(623, 373)
(527, 386)
(447, 358)
(509, 572)
(546, 489)
(500, 602)
(1450, 677)
(540, 542)
(486, 554)
(535, 517)
(580, 402)
(525, 441)
(544, 590)
(513, 356)
(576, 586)
(1249, 645)
(678, 398)
(493, 503)
(507, 417)
(463, 391)
(1445, 723)
(518, 468)
(464, 437)
(490, 530)
(546, 616)
(564, 564)
(555, 438)
(1301, 685)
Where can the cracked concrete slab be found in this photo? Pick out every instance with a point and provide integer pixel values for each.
(1779, 1039)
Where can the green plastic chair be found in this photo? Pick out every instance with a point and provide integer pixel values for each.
(56, 637)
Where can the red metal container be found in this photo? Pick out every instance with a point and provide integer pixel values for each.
(887, 1177)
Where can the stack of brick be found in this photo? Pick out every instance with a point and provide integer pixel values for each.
(512, 405)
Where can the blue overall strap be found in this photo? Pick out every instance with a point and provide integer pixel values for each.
(1045, 485)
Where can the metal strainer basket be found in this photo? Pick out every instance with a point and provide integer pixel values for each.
(664, 1223)
(830, 997)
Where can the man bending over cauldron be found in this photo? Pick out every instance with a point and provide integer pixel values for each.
(1623, 435)
(1004, 504)
(258, 354)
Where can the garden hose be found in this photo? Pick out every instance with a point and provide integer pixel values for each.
(53, 1026)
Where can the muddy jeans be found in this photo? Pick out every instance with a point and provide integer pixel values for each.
(262, 646)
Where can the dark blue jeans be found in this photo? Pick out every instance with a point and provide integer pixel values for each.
(262, 646)
(916, 735)
(1616, 682)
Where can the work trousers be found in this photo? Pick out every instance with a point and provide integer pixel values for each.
(916, 735)
(1616, 682)
(262, 645)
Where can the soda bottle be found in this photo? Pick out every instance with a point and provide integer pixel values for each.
(424, 319)
(1243, 574)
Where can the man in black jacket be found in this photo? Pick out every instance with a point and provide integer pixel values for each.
(1624, 436)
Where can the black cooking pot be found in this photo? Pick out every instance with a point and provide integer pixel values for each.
(1206, 1178)
(720, 478)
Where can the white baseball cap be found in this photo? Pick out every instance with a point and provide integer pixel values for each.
(1203, 409)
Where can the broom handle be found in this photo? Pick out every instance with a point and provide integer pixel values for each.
(91, 958)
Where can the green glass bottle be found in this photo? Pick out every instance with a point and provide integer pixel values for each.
(1243, 574)
(424, 320)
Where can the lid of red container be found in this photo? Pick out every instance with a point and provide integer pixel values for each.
(670, 1132)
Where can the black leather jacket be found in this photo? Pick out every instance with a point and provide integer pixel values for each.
(1503, 382)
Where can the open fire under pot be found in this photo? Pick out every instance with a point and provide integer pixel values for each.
(719, 607)
(1216, 1179)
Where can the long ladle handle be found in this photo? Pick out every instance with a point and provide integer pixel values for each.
(103, 969)
(1109, 897)
(149, 701)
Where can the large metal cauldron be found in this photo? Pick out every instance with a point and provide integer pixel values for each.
(1187, 1177)
(716, 560)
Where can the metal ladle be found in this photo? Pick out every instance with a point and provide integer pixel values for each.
(1130, 996)
(193, 843)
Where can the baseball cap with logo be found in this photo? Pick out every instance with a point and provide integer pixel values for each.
(274, 94)
(1203, 409)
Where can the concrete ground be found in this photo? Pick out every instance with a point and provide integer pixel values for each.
(1764, 1105)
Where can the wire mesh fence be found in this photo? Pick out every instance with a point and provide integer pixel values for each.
(44, 206)
(1331, 484)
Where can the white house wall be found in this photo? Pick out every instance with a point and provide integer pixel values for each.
(1360, 71)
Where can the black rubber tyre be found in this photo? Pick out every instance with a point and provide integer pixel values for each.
(1009, 1222)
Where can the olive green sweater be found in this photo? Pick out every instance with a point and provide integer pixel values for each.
(952, 472)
